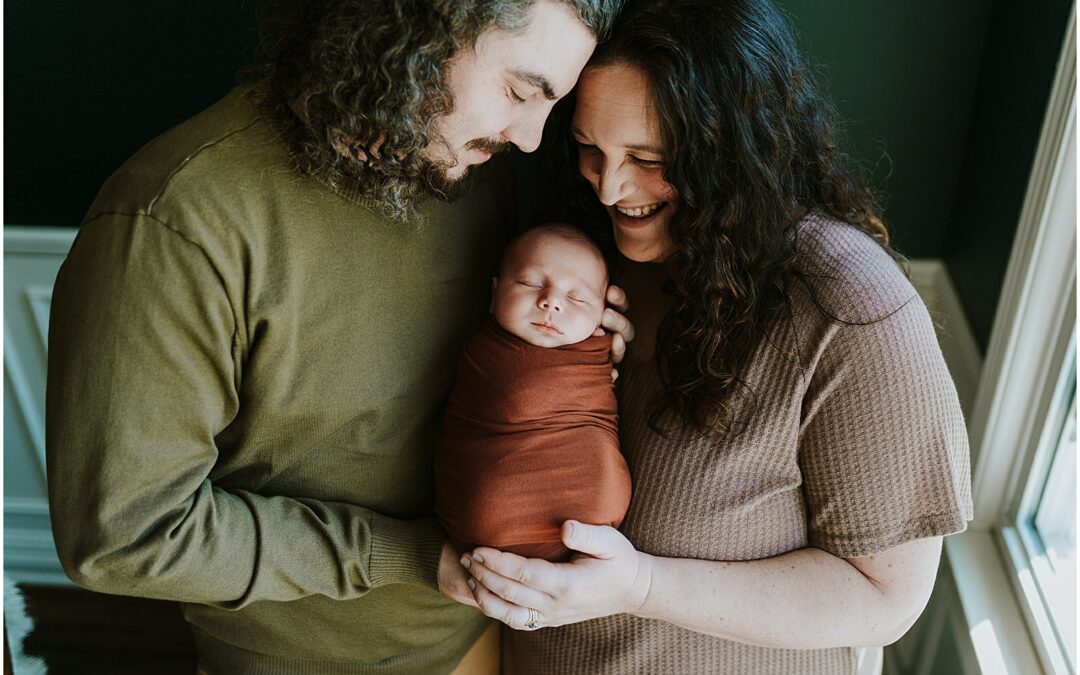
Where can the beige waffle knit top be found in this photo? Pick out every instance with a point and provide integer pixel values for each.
(855, 444)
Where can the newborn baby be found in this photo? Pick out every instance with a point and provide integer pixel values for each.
(529, 437)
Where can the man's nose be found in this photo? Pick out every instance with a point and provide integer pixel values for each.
(526, 131)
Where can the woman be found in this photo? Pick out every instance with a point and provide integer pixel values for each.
(795, 441)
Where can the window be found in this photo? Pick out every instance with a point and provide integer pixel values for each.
(1015, 569)
(1041, 537)
(1051, 528)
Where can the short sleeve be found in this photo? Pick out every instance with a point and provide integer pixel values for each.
(883, 447)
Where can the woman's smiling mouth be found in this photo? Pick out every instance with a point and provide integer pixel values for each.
(640, 211)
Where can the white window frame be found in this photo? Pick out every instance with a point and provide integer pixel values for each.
(1033, 330)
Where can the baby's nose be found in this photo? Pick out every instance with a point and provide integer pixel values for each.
(550, 302)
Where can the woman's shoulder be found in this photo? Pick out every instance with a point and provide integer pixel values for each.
(848, 273)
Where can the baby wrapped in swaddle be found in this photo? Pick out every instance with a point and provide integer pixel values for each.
(529, 438)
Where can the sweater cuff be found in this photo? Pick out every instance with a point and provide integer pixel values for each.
(405, 551)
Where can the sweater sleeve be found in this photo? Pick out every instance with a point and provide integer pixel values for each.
(883, 446)
(145, 365)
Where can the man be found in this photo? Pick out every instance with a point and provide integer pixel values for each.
(256, 329)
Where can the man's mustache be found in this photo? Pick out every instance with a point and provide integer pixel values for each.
(488, 145)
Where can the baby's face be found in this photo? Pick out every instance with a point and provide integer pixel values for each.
(551, 293)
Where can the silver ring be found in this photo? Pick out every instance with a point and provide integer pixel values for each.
(534, 619)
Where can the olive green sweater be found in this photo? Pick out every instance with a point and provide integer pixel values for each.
(246, 373)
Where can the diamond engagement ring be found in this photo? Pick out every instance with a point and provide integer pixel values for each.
(534, 619)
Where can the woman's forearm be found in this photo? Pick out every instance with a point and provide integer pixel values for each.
(803, 599)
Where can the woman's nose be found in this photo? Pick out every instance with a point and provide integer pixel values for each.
(613, 185)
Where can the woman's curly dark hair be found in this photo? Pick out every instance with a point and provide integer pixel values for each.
(357, 86)
(750, 148)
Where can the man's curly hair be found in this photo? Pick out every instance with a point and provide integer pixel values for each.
(357, 86)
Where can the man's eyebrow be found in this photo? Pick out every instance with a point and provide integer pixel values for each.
(537, 80)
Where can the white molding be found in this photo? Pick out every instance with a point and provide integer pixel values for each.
(39, 299)
(33, 418)
(996, 628)
(37, 239)
(26, 506)
(30, 557)
(29, 549)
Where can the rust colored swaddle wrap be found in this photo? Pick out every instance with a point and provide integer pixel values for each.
(529, 440)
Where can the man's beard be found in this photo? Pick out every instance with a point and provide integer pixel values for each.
(434, 177)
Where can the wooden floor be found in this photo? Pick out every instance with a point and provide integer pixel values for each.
(76, 631)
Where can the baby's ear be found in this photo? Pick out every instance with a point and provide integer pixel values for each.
(494, 284)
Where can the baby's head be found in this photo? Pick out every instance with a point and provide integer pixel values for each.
(551, 286)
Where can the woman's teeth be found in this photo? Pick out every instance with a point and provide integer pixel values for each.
(639, 211)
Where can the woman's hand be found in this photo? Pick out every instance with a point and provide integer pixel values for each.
(614, 322)
(606, 576)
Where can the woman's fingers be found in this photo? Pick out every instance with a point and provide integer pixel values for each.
(618, 350)
(510, 590)
(534, 573)
(515, 616)
(616, 297)
(614, 322)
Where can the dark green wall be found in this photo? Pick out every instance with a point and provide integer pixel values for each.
(1022, 49)
(954, 93)
(903, 76)
(87, 84)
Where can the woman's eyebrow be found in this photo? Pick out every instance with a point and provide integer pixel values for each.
(650, 149)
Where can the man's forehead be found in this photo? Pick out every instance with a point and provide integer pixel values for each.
(547, 52)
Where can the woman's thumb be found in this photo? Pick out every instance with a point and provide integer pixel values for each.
(598, 541)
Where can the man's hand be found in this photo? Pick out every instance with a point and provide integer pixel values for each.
(453, 580)
(614, 322)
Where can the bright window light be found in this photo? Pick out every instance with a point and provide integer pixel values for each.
(1054, 521)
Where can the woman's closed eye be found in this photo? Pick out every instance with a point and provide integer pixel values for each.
(648, 163)
(590, 149)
